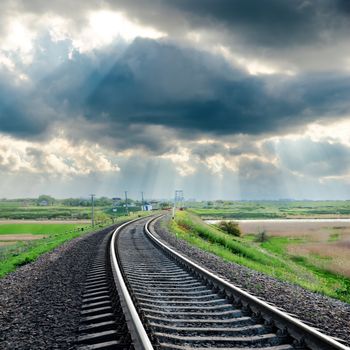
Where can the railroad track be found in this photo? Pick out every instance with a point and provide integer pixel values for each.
(102, 321)
(170, 302)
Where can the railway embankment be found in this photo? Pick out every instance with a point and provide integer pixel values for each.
(40, 302)
(329, 315)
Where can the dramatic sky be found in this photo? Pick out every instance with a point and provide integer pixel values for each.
(239, 99)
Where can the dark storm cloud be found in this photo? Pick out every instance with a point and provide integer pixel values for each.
(121, 96)
(343, 6)
(265, 23)
(22, 112)
(268, 23)
(160, 84)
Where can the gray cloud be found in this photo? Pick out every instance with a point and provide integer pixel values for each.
(22, 111)
(316, 159)
(150, 94)
(205, 150)
(119, 98)
(269, 25)
(298, 35)
(156, 83)
(260, 179)
(302, 34)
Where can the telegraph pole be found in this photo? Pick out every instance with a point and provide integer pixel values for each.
(142, 201)
(92, 210)
(126, 203)
(174, 206)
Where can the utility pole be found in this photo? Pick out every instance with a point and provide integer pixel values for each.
(92, 210)
(179, 195)
(142, 201)
(126, 203)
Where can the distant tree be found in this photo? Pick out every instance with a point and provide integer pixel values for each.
(72, 202)
(164, 205)
(46, 199)
(103, 202)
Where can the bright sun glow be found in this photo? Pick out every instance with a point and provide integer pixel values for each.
(339, 131)
(19, 38)
(106, 26)
(253, 67)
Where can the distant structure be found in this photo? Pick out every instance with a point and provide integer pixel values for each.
(155, 204)
(116, 201)
(178, 199)
(147, 207)
(44, 203)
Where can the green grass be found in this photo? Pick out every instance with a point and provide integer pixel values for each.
(39, 228)
(268, 257)
(18, 212)
(21, 253)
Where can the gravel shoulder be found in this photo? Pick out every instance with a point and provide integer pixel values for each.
(329, 315)
(40, 302)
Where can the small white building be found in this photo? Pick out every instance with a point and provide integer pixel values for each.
(147, 207)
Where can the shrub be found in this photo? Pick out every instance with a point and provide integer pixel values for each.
(262, 236)
(230, 227)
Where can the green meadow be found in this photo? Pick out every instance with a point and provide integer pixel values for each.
(19, 246)
(39, 228)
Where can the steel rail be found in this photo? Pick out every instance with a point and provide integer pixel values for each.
(314, 339)
(137, 331)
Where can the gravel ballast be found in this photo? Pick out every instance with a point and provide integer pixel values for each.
(40, 302)
(329, 315)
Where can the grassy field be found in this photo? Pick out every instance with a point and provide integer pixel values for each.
(271, 209)
(274, 257)
(18, 211)
(39, 228)
(19, 246)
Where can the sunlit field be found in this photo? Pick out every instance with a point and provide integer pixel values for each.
(22, 243)
(322, 244)
(28, 209)
(271, 209)
(21, 212)
(331, 256)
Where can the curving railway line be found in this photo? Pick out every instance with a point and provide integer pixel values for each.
(169, 302)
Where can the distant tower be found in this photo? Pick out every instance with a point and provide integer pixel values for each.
(179, 197)
(142, 202)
